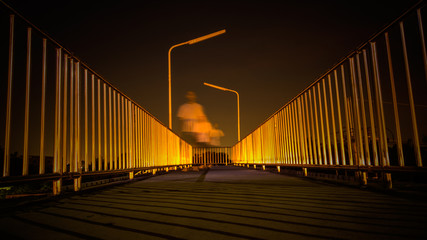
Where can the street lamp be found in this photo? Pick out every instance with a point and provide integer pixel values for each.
(193, 41)
(238, 104)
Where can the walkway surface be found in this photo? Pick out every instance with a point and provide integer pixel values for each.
(222, 203)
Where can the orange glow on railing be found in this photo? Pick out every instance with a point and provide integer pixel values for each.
(328, 124)
(118, 135)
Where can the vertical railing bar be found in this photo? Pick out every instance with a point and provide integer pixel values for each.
(76, 130)
(324, 159)
(141, 135)
(319, 150)
(133, 135)
(99, 127)
(296, 136)
(283, 136)
(126, 134)
(218, 156)
(130, 135)
(286, 135)
(261, 144)
(423, 43)
(25, 161)
(105, 126)
(371, 111)
(65, 113)
(313, 131)
(131, 140)
(339, 119)
(6, 158)
(347, 120)
(77, 166)
(123, 158)
(93, 124)
(303, 138)
(328, 135)
(152, 142)
(115, 129)
(292, 136)
(72, 129)
(279, 133)
(218, 159)
(334, 133)
(276, 140)
(42, 109)
(308, 121)
(380, 111)
(360, 159)
(362, 109)
(144, 139)
(394, 98)
(411, 100)
(110, 128)
(296, 133)
(57, 163)
(304, 125)
(78, 157)
(119, 128)
(86, 124)
(137, 138)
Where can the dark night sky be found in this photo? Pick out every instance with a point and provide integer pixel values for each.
(272, 49)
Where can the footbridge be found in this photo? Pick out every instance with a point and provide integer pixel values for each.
(300, 174)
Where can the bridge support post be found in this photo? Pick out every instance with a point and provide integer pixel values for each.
(263, 167)
(77, 184)
(304, 170)
(131, 175)
(278, 169)
(363, 176)
(387, 180)
(57, 184)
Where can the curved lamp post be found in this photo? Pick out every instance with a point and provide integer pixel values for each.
(238, 104)
(193, 41)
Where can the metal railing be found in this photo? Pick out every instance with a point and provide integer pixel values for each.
(367, 111)
(74, 123)
(211, 155)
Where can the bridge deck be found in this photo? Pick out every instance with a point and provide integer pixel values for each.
(222, 203)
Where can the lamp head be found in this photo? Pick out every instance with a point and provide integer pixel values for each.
(199, 39)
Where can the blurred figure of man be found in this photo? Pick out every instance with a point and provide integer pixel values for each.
(190, 113)
(215, 135)
(203, 128)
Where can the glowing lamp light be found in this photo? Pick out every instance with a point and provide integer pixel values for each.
(199, 39)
